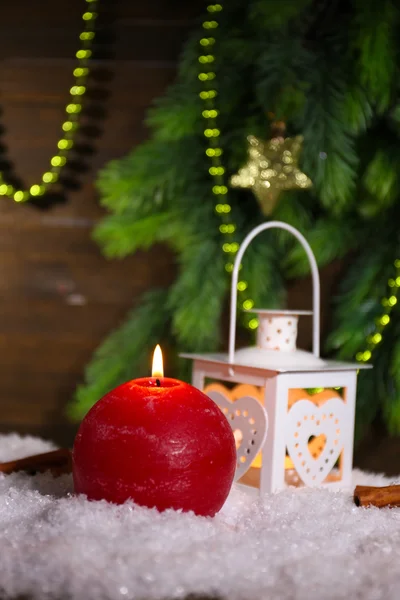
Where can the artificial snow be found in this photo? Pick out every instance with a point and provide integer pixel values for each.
(299, 544)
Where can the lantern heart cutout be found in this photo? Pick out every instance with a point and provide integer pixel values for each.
(304, 420)
(249, 423)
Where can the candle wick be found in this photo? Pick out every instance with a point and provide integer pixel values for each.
(158, 382)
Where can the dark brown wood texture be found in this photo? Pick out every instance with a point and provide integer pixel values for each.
(58, 296)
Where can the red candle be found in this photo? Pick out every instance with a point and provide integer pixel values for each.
(160, 442)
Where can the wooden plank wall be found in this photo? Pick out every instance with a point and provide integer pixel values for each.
(58, 296)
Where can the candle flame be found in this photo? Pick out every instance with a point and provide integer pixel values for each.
(158, 368)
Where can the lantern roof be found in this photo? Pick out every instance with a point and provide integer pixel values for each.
(323, 365)
(276, 312)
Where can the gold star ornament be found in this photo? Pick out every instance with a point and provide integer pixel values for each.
(272, 167)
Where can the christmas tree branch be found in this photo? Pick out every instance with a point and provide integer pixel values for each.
(126, 353)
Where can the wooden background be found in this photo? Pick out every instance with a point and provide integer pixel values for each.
(58, 296)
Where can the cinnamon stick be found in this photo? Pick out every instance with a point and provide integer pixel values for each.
(365, 495)
(57, 461)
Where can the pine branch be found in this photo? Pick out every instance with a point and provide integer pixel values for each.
(275, 14)
(375, 27)
(294, 208)
(280, 75)
(367, 405)
(125, 354)
(153, 174)
(367, 275)
(329, 155)
(359, 302)
(329, 239)
(392, 404)
(394, 115)
(357, 109)
(133, 182)
(379, 388)
(176, 115)
(380, 179)
(120, 236)
(196, 299)
(261, 271)
(350, 336)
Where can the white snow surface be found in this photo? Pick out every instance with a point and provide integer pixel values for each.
(299, 544)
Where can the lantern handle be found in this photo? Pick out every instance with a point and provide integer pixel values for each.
(235, 275)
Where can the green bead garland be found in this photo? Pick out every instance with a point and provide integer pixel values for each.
(214, 152)
(375, 337)
(71, 123)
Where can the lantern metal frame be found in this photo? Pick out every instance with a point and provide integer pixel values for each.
(284, 433)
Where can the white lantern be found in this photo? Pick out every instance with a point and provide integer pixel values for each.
(292, 413)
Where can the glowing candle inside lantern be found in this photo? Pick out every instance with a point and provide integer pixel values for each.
(158, 441)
